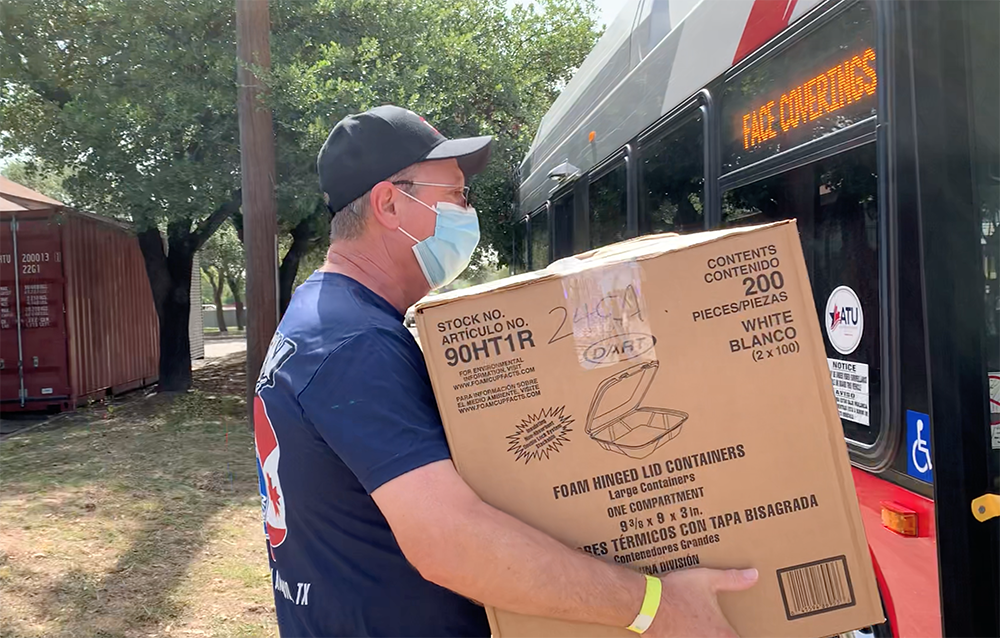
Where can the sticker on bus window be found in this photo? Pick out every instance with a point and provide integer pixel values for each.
(918, 446)
(995, 410)
(995, 392)
(850, 387)
(844, 320)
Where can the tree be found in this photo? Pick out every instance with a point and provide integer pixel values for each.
(237, 286)
(223, 261)
(471, 67)
(137, 103)
(218, 285)
(232, 264)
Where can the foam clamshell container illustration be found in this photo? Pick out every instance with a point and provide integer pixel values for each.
(620, 422)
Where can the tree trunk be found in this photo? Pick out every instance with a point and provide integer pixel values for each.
(170, 277)
(302, 236)
(220, 315)
(169, 273)
(234, 286)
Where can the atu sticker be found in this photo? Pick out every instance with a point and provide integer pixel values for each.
(844, 320)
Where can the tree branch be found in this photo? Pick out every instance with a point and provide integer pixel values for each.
(302, 236)
(211, 224)
(238, 224)
(211, 278)
(55, 94)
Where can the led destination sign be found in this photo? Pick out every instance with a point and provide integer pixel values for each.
(823, 82)
(850, 81)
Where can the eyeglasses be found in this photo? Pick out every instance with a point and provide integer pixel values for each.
(465, 189)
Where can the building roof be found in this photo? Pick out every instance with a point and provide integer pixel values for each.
(10, 206)
(14, 197)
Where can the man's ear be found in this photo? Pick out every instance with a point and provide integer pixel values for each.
(382, 202)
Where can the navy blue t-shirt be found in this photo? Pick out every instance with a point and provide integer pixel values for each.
(343, 405)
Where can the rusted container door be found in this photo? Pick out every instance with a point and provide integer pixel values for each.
(35, 374)
(10, 380)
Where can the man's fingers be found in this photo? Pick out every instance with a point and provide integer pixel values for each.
(735, 579)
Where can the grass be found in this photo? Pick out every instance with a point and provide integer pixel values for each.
(141, 519)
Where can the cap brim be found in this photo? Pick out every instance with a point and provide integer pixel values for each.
(472, 153)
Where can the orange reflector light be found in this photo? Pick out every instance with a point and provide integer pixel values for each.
(899, 518)
(592, 135)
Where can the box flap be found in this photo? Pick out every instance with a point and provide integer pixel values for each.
(639, 248)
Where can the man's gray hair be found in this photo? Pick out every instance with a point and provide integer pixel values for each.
(349, 222)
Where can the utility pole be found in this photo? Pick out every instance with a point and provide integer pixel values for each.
(260, 223)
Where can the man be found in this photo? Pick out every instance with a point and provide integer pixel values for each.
(371, 531)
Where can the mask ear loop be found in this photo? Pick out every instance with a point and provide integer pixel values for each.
(400, 228)
(412, 238)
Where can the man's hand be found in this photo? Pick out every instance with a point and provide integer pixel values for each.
(689, 603)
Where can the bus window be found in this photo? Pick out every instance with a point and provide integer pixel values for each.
(672, 180)
(562, 223)
(834, 201)
(520, 254)
(608, 198)
(540, 239)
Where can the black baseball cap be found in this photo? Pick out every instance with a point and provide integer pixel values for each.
(364, 149)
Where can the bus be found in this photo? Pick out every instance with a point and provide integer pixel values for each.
(877, 126)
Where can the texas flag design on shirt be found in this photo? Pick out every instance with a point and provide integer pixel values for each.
(268, 454)
(266, 441)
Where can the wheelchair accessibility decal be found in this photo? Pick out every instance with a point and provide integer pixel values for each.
(918, 444)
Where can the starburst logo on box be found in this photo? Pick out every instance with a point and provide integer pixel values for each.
(539, 435)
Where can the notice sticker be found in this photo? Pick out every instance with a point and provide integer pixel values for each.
(995, 410)
(994, 392)
(844, 320)
(850, 387)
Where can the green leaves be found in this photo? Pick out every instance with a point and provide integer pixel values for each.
(224, 254)
(136, 99)
(470, 67)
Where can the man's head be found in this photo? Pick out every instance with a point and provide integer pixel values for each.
(383, 173)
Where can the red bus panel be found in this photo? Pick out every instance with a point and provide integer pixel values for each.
(908, 564)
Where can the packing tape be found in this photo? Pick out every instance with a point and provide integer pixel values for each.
(609, 314)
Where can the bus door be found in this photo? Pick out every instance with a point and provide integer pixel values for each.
(956, 142)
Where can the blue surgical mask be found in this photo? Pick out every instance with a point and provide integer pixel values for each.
(445, 255)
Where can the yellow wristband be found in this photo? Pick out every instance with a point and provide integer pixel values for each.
(650, 603)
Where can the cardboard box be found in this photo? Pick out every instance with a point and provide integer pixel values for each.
(663, 403)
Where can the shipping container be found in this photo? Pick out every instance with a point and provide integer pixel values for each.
(78, 283)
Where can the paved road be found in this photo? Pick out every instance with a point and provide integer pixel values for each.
(221, 347)
(216, 347)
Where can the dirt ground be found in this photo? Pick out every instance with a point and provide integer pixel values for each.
(137, 518)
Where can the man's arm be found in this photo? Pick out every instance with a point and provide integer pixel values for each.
(457, 541)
